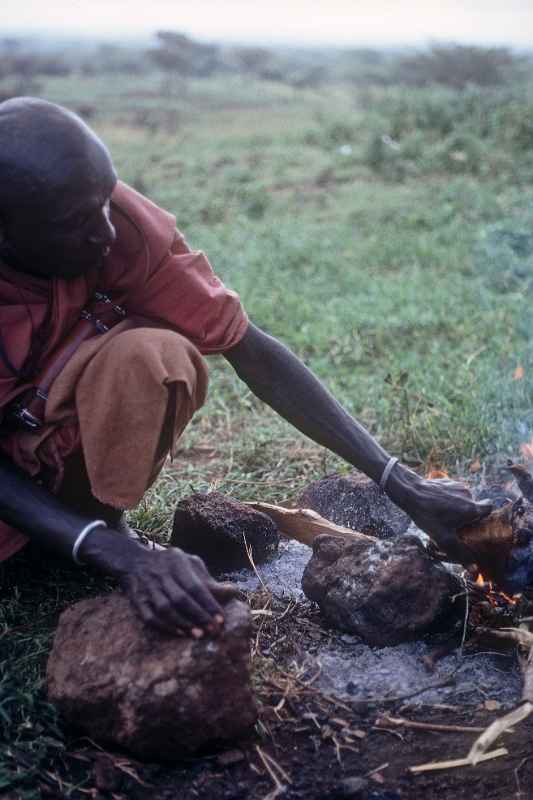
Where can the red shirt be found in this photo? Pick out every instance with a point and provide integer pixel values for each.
(150, 271)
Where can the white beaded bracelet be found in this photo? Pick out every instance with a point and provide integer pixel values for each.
(98, 523)
(387, 471)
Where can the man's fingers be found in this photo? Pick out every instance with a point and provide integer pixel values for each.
(193, 597)
(452, 486)
(149, 616)
(184, 604)
(477, 513)
(174, 595)
(173, 591)
(165, 611)
(196, 584)
(200, 593)
(221, 590)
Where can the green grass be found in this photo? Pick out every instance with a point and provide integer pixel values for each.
(402, 277)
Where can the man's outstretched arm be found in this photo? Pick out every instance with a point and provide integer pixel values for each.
(280, 379)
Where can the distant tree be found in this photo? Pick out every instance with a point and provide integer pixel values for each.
(10, 45)
(456, 66)
(182, 55)
(253, 59)
(366, 55)
(309, 78)
(113, 58)
(20, 63)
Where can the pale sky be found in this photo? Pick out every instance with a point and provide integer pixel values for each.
(277, 21)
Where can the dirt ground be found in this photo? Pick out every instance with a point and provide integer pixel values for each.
(307, 751)
(302, 750)
(306, 744)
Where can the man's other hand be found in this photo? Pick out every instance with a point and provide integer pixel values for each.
(173, 592)
(441, 508)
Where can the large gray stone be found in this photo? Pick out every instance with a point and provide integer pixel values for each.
(159, 697)
(386, 593)
(215, 527)
(357, 502)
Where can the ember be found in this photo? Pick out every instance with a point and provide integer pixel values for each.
(434, 474)
(527, 450)
(495, 596)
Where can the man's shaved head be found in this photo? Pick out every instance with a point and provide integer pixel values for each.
(40, 143)
(51, 165)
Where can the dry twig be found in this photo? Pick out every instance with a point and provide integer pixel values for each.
(399, 722)
(458, 762)
(446, 681)
(275, 771)
(517, 635)
(523, 637)
(489, 736)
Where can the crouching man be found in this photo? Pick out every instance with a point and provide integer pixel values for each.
(105, 316)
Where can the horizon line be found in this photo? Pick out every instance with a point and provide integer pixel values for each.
(76, 34)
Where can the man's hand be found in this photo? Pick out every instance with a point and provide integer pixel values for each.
(173, 591)
(440, 508)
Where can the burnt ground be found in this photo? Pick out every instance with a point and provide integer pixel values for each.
(302, 748)
(305, 744)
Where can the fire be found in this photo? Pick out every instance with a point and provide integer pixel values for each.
(494, 596)
(434, 474)
(511, 600)
(527, 450)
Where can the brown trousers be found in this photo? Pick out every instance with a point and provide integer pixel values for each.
(113, 415)
(134, 398)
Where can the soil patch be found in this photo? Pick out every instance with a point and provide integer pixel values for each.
(309, 739)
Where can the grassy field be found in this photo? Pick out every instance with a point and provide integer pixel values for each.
(385, 235)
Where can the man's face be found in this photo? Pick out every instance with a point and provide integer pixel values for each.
(65, 230)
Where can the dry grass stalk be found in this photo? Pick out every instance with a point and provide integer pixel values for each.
(523, 637)
(399, 722)
(510, 634)
(458, 762)
(252, 564)
(275, 771)
(526, 664)
(499, 726)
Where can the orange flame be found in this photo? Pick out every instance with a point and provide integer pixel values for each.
(494, 595)
(434, 474)
(527, 450)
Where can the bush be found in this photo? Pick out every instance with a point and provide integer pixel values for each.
(456, 66)
(179, 54)
(474, 131)
(460, 152)
(504, 257)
